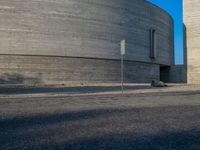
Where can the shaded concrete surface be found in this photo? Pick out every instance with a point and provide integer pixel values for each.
(70, 89)
(58, 41)
(148, 121)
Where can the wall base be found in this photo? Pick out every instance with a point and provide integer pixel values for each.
(16, 69)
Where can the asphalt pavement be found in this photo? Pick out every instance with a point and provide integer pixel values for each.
(133, 121)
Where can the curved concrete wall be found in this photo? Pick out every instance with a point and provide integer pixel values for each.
(58, 70)
(84, 29)
(192, 29)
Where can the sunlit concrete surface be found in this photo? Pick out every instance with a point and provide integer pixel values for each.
(192, 38)
(88, 89)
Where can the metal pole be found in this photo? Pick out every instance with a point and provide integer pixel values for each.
(122, 73)
(123, 51)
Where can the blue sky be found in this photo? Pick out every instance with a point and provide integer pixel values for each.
(174, 7)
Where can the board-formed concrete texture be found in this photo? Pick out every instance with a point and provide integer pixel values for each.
(192, 29)
(59, 41)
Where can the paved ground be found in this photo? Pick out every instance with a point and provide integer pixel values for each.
(165, 120)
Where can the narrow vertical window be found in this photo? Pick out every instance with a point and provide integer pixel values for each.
(152, 43)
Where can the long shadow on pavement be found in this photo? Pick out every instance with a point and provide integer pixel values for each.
(70, 90)
(158, 128)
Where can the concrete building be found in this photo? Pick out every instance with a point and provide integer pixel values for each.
(61, 41)
(192, 40)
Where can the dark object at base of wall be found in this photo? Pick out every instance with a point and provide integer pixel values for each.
(156, 83)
